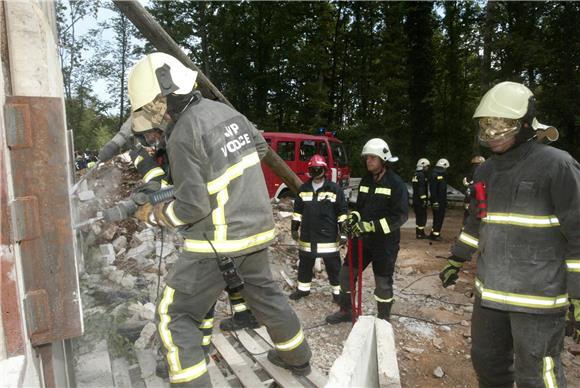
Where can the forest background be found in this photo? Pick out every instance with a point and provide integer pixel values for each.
(411, 73)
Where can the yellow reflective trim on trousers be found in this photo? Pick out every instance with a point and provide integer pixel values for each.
(573, 265)
(235, 296)
(306, 195)
(384, 300)
(296, 217)
(170, 213)
(423, 196)
(363, 189)
(153, 173)
(522, 220)
(335, 290)
(439, 178)
(342, 218)
(165, 333)
(191, 373)
(233, 172)
(327, 247)
(292, 343)
(468, 239)
(138, 160)
(206, 324)
(304, 286)
(521, 300)
(238, 308)
(206, 340)
(383, 191)
(202, 246)
(304, 246)
(385, 226)
(548, 373)
(218, 216)
(415, 179)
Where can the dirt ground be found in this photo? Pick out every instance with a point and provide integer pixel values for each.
(431, 324)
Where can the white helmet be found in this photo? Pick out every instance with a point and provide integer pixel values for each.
(380, 148)
(423, 162)
(443, 163)
(502, 109)
(151, 79)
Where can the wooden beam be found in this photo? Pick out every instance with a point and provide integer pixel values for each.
(159, 38)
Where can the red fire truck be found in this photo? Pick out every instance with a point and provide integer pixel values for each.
(296, 149)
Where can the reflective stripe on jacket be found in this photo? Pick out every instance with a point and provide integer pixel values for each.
(220, 191)
(420, 186)
(319, 214)
(384, 202)
(529, 241)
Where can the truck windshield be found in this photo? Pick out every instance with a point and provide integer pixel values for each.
(307, 150)
(338, 154)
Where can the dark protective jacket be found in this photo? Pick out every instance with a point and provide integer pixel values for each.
(438, 187)
(220, 191)
(529, 240)
(149, 167)
(385, 202)
(319, 215)
(420, 183)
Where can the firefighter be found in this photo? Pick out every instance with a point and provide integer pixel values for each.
(381, 209)
(438, 190)
(420, 182)
(525, 223)
(221, 207)
(151, 162)
(476, 161)
(318, 224)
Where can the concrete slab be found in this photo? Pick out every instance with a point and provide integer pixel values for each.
(93, 370)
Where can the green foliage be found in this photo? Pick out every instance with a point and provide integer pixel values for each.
(409, 72)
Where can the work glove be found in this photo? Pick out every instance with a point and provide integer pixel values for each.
(575, 303)
(343, 239)
(363, 227)
(352, 219)
(295, 235)
(449, 274)
(153, 215)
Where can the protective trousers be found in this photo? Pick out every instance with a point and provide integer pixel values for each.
(193, 287)
(420, 214)
(438, 217)
(307, 260)
(535, 341)
(381, 251)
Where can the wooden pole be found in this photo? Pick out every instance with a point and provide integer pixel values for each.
(155, 34)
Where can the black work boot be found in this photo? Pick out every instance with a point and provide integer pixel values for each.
(336, 298)
(435, 237)
(384, 310)
(300, 370)
(345, 312)
(420, 233)
(241, 320)
(298, 294)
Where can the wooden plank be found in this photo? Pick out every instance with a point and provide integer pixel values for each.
(236, 362)
(281, 375)
(315, 377)
(216, 377)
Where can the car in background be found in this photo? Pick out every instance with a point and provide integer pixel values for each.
(296, 149)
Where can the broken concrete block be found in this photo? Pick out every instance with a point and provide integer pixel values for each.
(86, 195)
(141, 251)
(438, 372)
(120, 243)
(107, 254)
(144, 235)
(388, 368)
(146, 337)
(93, 369)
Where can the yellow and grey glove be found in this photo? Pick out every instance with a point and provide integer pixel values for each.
(575, 303)
(363, 227)
(153, 215)
(343, 234)
(450, 272)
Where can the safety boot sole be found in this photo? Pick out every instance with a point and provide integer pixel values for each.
(300, 370)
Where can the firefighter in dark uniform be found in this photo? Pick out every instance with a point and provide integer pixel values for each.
(318, 224)
(420, 183)
(476, 161)
(382, 207)
(221, 207)
(438, 191)
(525, 223)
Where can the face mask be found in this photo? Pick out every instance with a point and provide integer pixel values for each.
(497, 128)
(315, 172)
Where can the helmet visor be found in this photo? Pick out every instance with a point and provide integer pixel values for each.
(496, 128)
